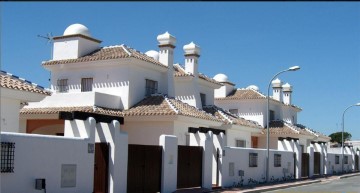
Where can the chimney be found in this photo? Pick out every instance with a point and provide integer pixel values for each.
(226, 87)
(287, 90)
(166, 57)
(74, 43)
(192, 54)
(277, 89)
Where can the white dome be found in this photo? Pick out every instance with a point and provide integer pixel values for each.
(154, 54)
(287, 85)
(77, 29)
(221, 78)
(253, 87)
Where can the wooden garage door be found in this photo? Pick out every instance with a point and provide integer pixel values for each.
(144, 169)
(189, 173)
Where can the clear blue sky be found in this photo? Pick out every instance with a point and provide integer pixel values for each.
(248, 41)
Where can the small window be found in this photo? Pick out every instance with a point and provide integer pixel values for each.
(86, 84)
(203, 99)
(62, 85)
(272, 115)
(151, 87)
(233, 111)
(7, 157)
(240, 143)
(253, 158)
(277, 160)
(337, 158)
(346, 159)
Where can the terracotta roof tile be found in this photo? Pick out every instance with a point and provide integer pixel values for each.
(106, 53)
(180, 72)
(150, 106)
(10, 81)
(316, 133)
(229, 118)
(55, 110)
(240, 94)
(281, 127)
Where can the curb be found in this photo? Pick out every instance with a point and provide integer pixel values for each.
(348, 176)
(280, 187)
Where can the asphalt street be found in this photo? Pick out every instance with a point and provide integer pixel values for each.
(346, 185)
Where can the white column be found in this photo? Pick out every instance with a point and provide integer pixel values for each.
(325, 159)
(169, 144)
(311, 160)
(118, 142)
(297, 150)
(207, 144)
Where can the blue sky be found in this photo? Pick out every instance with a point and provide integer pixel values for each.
(248, 41)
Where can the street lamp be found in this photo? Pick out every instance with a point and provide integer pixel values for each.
(293, 68)
(342, 136)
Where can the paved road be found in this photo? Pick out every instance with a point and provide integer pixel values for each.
(346, 185)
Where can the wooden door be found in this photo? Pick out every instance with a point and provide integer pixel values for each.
(101, 167)
(189, 173)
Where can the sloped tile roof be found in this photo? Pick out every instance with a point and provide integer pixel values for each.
(161, 105)
(316, 133)
(229, 118)
(150, 106)
(10, 81)
(106, 53)
(283, 128)
(180, 72)
(55, 110)
(245, 93)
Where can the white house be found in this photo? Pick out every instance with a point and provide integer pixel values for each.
(118, 80)
(15, 92)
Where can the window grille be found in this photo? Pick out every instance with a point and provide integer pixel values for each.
(203, 99)
(337, 159)
(151, 87)
(7, 157)
(62, 85)
(345, 159)
(86, 84)
(253, 158)
(240, 143)
(277, 160)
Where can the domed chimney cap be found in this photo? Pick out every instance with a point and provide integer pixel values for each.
(154, 54)
(253, 87)
(221, 78)
(276, 83)
(77, 29)
(192, 49)
(166, 39)
(287, 87)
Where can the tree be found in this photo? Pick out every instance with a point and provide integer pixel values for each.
(336, 137)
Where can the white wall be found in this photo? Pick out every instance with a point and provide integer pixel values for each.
(233, 135)
(39, 156)
(240, 158)
(9, 114)
(186, 91)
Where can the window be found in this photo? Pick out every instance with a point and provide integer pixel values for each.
(345, 159)
(151, 87)
(240, 143)
(203, 99)
(253, 158)
(233, 111)
(7, 157)
(272, 115)
(62, 85)
(277, 160)
(86, 84)
(337, 159)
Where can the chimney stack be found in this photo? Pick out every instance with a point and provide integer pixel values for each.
(287, 90)
(277, 89)
(166, 57)
(192, 54)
